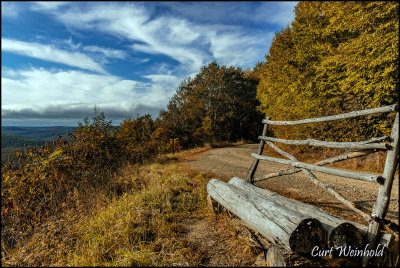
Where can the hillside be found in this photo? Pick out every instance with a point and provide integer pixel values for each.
(16, 139)
(12, 141)
(36, 133)
(159, 217)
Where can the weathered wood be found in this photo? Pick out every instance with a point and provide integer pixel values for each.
(274, 221)
(252, 170)
(386, 180)
(321, 184)
(330, 144)
(315, 234)
(381, 205)
(275, 257)
(337, 172)
(328, 221)
(345, 235)
(342, 157)
(213, 205)
(391, 108)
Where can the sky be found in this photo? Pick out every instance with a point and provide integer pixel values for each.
(60, 59)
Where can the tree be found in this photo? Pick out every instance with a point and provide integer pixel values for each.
(136, 138)
(219, 104)
(335, 57)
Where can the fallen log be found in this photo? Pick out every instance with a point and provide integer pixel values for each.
(328, 221)
(344, 235)
(295, 231)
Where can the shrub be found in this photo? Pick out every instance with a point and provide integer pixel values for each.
(135, 137)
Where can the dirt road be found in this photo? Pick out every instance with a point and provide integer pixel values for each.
(235, 161)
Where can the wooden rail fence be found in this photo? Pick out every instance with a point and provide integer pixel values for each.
(300, 227)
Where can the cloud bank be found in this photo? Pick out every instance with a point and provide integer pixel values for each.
(167, 41)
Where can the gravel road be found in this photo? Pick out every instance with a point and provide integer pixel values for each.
(236, 160)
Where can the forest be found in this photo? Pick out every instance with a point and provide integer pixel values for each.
(335, 57)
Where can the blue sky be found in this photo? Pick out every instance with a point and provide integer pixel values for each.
(59, 59)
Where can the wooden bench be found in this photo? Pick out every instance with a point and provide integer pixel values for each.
(301, 228)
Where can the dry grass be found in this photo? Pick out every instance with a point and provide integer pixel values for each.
(138, 228)
(137, 222)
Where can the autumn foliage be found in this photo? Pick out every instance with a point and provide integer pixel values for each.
(44, 179)
(217, 105)
(335, 57)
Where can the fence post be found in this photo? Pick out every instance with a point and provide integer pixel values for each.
(252, 170)
(380, 207)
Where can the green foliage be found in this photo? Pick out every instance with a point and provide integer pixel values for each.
(38, 133)
(10, 140)
(335, 57)
(136, 138)
(95, 147)
(217, 105)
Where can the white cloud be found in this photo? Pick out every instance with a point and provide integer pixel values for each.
(192, 34)
(190, 43)
(162, 35)
(280, 12)
(47, 5)
(9, 9)
(39, 89)
(70, 44)
(202, 33)
(238, 49)
(107, 52)
(50, 53)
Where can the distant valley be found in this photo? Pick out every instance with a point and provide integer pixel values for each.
(15, 139)
(12, 136)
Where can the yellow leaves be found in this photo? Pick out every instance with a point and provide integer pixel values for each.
(348, 58)
(56, 153)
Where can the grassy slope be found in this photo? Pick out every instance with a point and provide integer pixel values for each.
(141, 226)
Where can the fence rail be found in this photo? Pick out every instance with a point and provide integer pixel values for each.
(369, 144)
(342, 157)
(389, 144)
(332, 171)
(385, 109)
